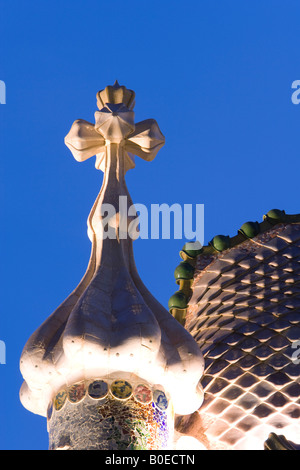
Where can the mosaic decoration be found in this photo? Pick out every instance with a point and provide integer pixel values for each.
(160, 400)
(143, 394)
(60, 399)
(98, 389)
(121, 389)
(118, 425)
(76, 392)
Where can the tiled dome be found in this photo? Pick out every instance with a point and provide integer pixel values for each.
(244, 313)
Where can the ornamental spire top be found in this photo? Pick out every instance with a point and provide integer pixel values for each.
(114, 123)
(116, 94)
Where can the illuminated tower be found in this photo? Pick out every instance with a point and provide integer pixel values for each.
(110, 367)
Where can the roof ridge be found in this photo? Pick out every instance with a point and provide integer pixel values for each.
(184, 272)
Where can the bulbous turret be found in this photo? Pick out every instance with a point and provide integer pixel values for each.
(110, 328)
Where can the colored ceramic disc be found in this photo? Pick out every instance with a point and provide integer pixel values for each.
(98, 389)
(76, 392)
(142, 394)
(121, 389)
(160, 400)
(60, 400)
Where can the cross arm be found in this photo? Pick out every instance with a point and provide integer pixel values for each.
(84, 141)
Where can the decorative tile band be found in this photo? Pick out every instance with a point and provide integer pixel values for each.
(99, 389)
(112, 423)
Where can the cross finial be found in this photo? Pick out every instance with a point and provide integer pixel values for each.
(114, 123)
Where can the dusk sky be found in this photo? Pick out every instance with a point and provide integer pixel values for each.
(217, 76)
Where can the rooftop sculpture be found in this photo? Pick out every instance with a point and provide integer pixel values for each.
(111, 353)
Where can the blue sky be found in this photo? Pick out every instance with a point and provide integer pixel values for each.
(217, 78)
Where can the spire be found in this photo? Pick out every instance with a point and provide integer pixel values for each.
(111, 328)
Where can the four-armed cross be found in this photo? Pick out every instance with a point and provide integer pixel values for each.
(114, 124)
